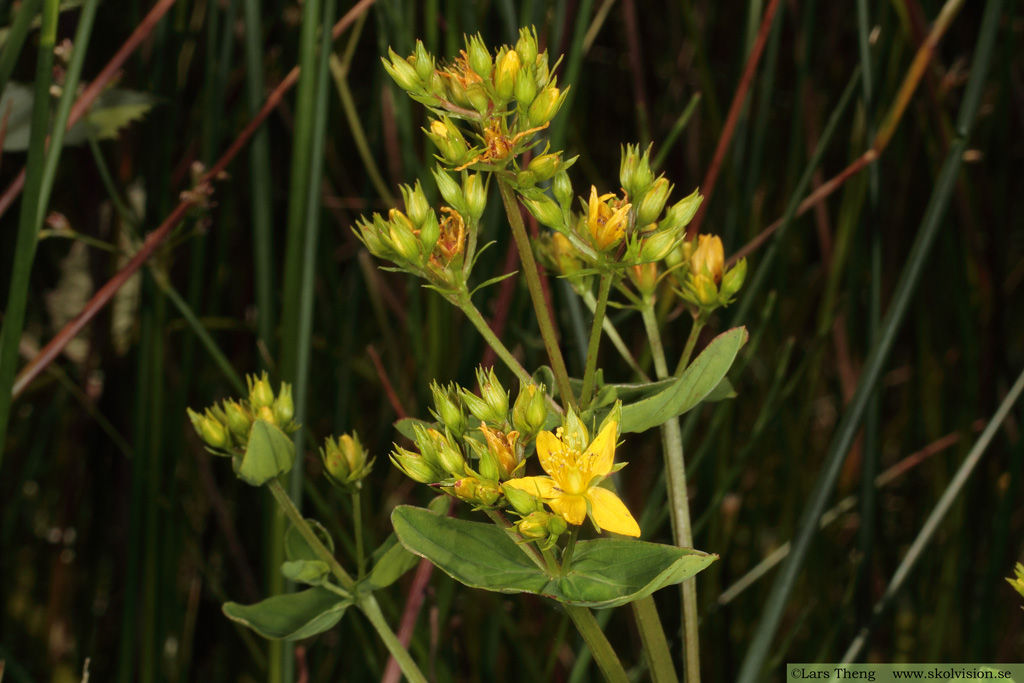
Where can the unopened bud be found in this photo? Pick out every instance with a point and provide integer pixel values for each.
(476, 196)
(260, 393)
(345, 462)
(733, 280)
(494, 395)
(472, 490)
(415, 467)
(644, 277)
(521, 501)
(479, 57)
(526, 46)
(525, 88)
(210, 430)
(705, 290)
(448, 408)
(682, 212)
(505, 71)
(424, 62)
(657, 246)
(284, 408)
(635, 171)
(530, 411)
(450, 190)
(652, 202)
(544, 209)
(546, 105)
(545, 166)
(403, 72)
(416, 205)
(238, 419)
(403, 241)
(562, 189)
(478, 98)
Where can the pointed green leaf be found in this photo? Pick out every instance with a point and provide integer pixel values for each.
(605, 572)
(293, 616)
(269, 453)
(697, 382)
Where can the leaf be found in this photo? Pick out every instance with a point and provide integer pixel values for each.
(312, 572)
(113, 110)
(296, 547)
(293, 616)
(269, 453)
(392, 560)
(697, 382)
(605, 572)
(406, 426)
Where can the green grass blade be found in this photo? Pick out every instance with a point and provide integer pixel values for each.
(757, 654)
(28, 11)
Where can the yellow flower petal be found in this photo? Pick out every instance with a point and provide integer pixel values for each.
(549, 448)
(572, 508)
(601, 451)
(540, 487)
(610, 513)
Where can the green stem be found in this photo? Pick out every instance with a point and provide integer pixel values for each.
(684, 359)
(284, 501)
(547, 330)
(652, 635)
(595, 339)
(679, 504)
(570, 547)
(545, 561)
(599, 646)
(613, 336)
(463, 303)
(357, 522)
(368, 605)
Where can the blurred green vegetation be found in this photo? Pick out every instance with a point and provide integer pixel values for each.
(120, 536)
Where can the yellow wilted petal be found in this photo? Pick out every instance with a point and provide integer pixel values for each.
(610, 513)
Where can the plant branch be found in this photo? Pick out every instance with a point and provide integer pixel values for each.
(586, 393)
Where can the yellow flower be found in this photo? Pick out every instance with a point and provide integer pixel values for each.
(606, 220)
(709, 257)
(572, 490)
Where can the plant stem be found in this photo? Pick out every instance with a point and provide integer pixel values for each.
(547, 330)
(679, 505)
(463, 303)
(569, 548)
(613, 336)
(595, 339)
(684, 359)
(599, 646)
(284, 501)
(368, 605)
(357, 522)
(652, 635)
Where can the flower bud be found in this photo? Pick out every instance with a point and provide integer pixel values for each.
(424, 62)
(682, 212)
(403, 72)
(526, 46)
(522, 501)
(345, 462)
(213, 433)
(415, 467)
(546, 105)
(705, 291)
(476, 196)
(472, 490)
(403, 241)
(478, 98)
(416, 205)
(709, 257)
(644, 277)
(479, 57)
(448, 408)
(504, 449)
(530, 411)
(507, 67)
(635, 171)
(374, 236)
(733, 280)
(450, 190)
(562, 189)
(541, 71)
(449, 140)
(525, 88)
(266, 413)
(260, 393)
(544, 209)
(493, 394)
(430, 231)
(657, 246)
(284, 409)
(652, 202)
(238, 420)
(545, 166)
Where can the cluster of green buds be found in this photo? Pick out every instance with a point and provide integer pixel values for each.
(254, 432)
(419, 242)
(704, 282)
(507, 95)
(479, 439)
(346, 463)
(536, 524)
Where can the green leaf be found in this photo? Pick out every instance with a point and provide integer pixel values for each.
(295, 546)
(391, 560)
(269, 453)
(312, 572)
(606, 572)
(406, 426)
(293, 616)
(697, 382)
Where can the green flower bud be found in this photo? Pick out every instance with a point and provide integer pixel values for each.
(506, 68)
(562, 188)
(448, 455)
(427, 445)
(682, 212)
(476, 196)
(478, 98)
(416, 205)
(479, 57)
(424, 62)
(521, 501)
(652, 202)
(345, 462)
(449, 140)
(494, 395)
(403, 72)
(210, 430)
(733, 280)
(644, 277)
(635, 171)
(525, 88)
(403, 241)
(526, 46)
(415, 467)
(429, 232)
(530, 411)
(260, 393)
(541, 72)
(544, 209)
(238, 420)
(450, 190)
(546, 105)
(658, 246)
(284, 409)
(545, 166)
(705, 291)
(448, 407)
